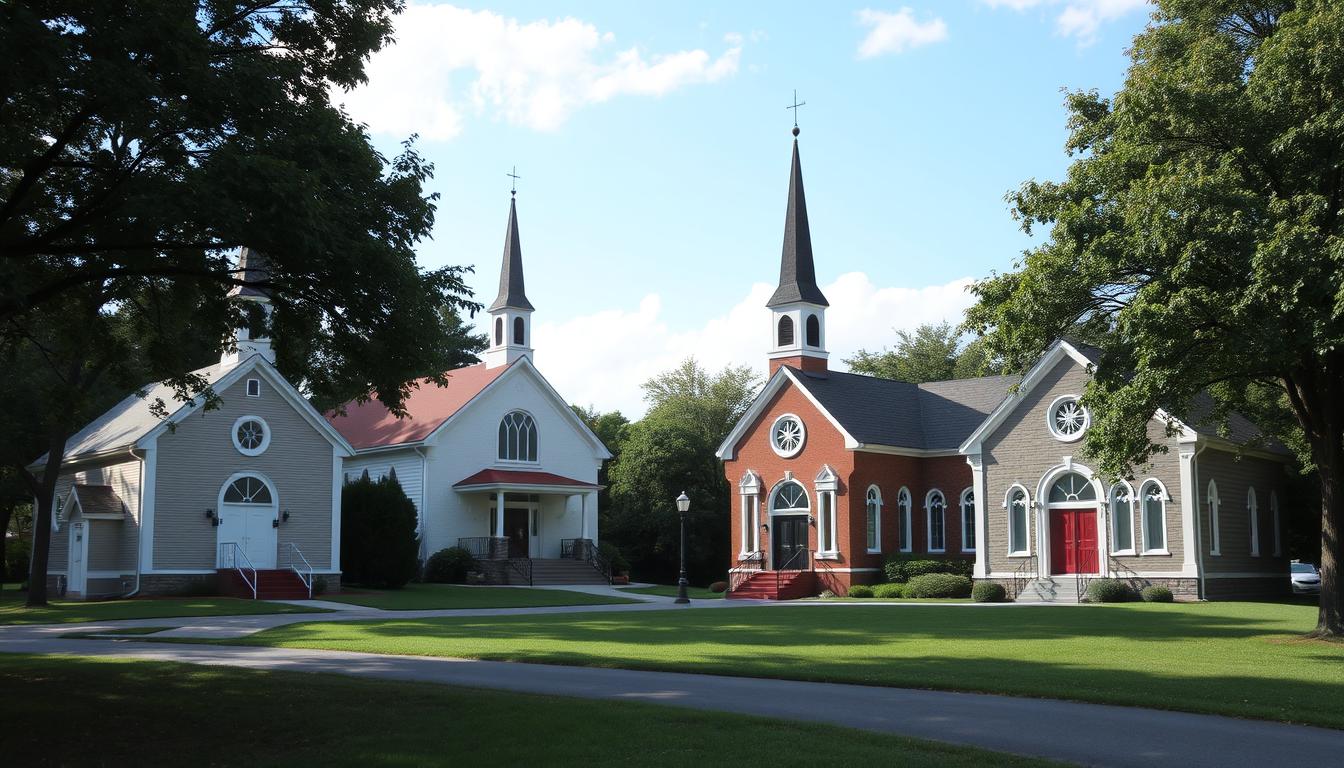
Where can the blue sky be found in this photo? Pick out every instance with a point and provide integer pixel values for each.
(653, 145)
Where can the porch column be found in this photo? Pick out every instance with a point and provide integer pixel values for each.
(499, 515)
(583, 515)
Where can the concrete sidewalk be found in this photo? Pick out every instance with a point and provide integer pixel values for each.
(1089, 734)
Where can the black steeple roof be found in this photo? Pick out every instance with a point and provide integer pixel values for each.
(797, 275)
(254, 268)
(511, 293)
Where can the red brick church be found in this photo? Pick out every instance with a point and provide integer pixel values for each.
(837, 472)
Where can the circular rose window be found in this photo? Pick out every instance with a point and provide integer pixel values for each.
(787, 435)
(1067, 418)
(251, 436)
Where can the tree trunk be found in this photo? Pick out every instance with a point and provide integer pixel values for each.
(42, 516)
(1330, 621)
(6, 515)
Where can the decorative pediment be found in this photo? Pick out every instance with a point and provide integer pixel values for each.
(827, 480)
(750, 483)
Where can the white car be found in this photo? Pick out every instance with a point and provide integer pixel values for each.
(1306, 580)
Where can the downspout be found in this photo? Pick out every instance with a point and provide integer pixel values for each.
(1199, 533)
(140, 527)
(424, 513)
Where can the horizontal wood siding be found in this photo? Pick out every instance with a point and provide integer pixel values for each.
(407, 463)
(113, 545)
(1234, 476)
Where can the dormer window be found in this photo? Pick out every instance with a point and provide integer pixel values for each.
(786, 331)
(518, 437)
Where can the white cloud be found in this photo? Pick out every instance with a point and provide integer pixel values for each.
(449, 63)
(1081, 19)
(601, 359)
(895, 32)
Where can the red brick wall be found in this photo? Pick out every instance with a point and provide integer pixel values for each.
(801, 362)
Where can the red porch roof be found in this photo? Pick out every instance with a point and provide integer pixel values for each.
(368, 425)
(487, 478)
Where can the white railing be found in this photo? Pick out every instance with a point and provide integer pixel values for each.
(305, 574)
(232, 556)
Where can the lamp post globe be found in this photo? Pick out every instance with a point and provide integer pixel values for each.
(683, 506)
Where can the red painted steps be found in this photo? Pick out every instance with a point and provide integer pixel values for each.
(277, 584)
(769, 585)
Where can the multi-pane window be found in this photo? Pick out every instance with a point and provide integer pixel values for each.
(518, 437)
(937, 509)
(904, 504)
(874, 529)
(1122, 519)
(1072, 487)
(247, 490)
(1154, 517)
(1017, 522)
(968, 520)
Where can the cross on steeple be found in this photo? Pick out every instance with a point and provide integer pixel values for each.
(794, 106)
(513, 186)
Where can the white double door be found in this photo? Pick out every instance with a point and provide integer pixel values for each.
(251, 527)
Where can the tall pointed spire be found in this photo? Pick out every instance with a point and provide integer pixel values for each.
(511, 293)
(797, 274)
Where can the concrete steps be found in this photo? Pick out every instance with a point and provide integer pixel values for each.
(561, 572)
(1050, 589)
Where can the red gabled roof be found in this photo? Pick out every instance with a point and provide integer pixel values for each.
(520, 477)
(371, 424)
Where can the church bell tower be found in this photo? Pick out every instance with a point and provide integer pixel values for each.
(797, 307)
(511, 312)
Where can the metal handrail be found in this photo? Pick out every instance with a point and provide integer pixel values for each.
(522, 566)
(485, 547)
(779, 572)
(235, 553)
(747, 566)
(586, 550)
(307, 582)
(1020, 575)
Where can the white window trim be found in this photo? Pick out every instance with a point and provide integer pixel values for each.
(1050, 420)
(1253, 511)
(248, 387)
(1026, 510)
(1278, 536)
(1164, 497)
(500, 461)
(265, 437)
(827, 521)
(905, 506)
(961, 510)
(868, 500)
(1215, 535)
(928, 520)
(1111, 495)
(802, 440)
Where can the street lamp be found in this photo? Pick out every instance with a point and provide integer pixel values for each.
(683, 506)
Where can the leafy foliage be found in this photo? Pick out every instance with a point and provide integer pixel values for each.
(988, 592)
(901, 568)
(449, 566)
(379, 547)
(1108, 591)
(934, 352)
(860, 590)
(1156, 593)
(889, 591)
(938, 585)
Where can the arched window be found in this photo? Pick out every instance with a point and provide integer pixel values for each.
(936, 507)
(1274, 512)
(1215, 535)
(247, 490)
(789, 497)
(1018, 526)
(1071, 487)
(813, 331)
(499, 331)
(968, 520)
(518, 437)
(785, 331)
(874, 528)
(904, 505)
(1253, 510)
(1154, 498)
(518, 331)
(1122, 519)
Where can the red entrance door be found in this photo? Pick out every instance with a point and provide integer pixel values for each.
(1073, 541)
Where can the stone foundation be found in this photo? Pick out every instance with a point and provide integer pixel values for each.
(179, 584)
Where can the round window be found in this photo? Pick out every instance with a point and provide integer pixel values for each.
(787, 435)
(251, 436)
(1067, 418)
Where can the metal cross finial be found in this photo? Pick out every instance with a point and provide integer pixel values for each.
(794, 106)
(513, 174)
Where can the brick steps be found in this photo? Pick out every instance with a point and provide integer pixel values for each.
(277, 584)
(560, 572)
(768, 585)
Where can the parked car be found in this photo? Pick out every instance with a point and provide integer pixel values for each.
(1306, 580)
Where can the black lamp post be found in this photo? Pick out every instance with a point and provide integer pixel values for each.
(683, 506)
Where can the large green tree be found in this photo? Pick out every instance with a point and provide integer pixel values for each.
(141, 144)
(932, 352)
(669, 451)
(1200, 225)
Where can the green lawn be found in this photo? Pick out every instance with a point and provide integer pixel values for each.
(670, 590)
(423, 597)
(1231, 658)
(13, 611)
(154, 713)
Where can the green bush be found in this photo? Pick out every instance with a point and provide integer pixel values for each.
(718, 587)
(939, 585)
(1108, 591)
(988, 592)
(16, 559)
(902, 568)
(860, 590)
(379, 547)
(449, 566)
(889, 591)
(319, 585)
(614, 557)
(1157, 594)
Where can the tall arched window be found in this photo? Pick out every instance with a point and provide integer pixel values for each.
(1018, 525)
(1253, 510)
(1154, 498)
(813, 331)
(1122, 519)
(517, 437)
(874, 528)
(968, 520)
(499, 331)
(904, 505)
(785, 331)
(1215, 535)
(936, 507)
(1274, 512)
(518, 331)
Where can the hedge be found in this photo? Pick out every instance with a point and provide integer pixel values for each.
(379, 547)
(988, 592)
(1157, 594)
(1108, 591)
(889, 591)
(449, 566)
(901, 568)
(938, 585)
(860, 590)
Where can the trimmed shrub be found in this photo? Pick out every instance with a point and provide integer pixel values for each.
(613, 556)
(1108, 591)
(319, 585)
(449, 566)
(988, 592)
(902, 568)
(889, 591)
(718, 587)
(379, 547)
(1157, 594)
(860, 590)
(939, 585)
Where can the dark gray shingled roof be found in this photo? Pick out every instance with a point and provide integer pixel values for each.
(99, 500)
(511, 293)
(797, 275)
(935, 416)
(252, 267)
